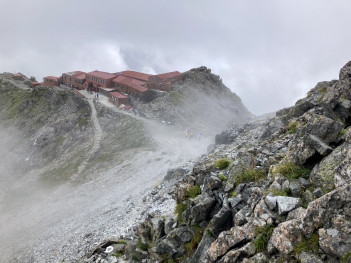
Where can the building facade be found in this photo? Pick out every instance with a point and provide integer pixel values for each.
(165, 80)
(75, 79)
(51, 81)
(118, 99)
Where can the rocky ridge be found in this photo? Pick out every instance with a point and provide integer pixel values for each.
(277, 190)
(201, 101)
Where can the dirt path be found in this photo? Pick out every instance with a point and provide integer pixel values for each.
(97, 137)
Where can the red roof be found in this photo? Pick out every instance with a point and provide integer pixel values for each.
(102, 75)
(132, 83)
(51, 77)
(118, 95)
(169, 75)
(17, 75)
(80, 76)
(136, 75)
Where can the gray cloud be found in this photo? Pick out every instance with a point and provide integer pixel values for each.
(268, 52)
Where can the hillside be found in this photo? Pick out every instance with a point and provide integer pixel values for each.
(270, 191)
(75, 169)
(200, 102)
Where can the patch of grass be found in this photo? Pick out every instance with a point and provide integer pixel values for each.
(346, 258)
(142, 246)
(308, 245)
(343, 131)
(222, 163)
(193, 191)
(292, 171)
(263, 234)
(191, 246)
(292, 127)
(283, 192)
(180, 208)
(223, 178)
(118, 255)
(122, 242)
(233, 194)
(250, 175)
(135, 258)
(82, 122)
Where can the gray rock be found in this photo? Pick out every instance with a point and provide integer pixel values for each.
(200, 253)
(221, 221)
(295, 188)
(212, 183)
(345, 72)
(200, 209)
(170, 223)
(306, 257)
(304, 183)
(286, 204)
(334, 242)
(317, 192)
(271, 202)
(321, 147)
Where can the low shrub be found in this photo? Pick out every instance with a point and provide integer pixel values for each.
(292, 171)
(283, 192)
(223, 178)
(308, 245)
(250, 175)
(180, 208)
(263, 234)
(142, 246)
(222, 163)
(193, 191)
(292, 127)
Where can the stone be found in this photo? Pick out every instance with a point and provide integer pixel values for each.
(317, 192)
(271, 202)
(321, 147)
(200, 209)
(285, 237)
(229, 239)
(212, 183)
(345, 72)
(286, 204)
(170, 223)
(200, 253)
(306, 257)
(234, 255)
(334, 242)
(221, 221)
(295, 188)
(258, 258)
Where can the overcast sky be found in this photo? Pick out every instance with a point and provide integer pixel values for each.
(270, 53)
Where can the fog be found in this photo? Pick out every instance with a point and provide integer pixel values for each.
(48, 223)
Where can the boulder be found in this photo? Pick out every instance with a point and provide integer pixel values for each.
(228, 239)
(345, 72)
(221, 221)
(285, 237)
(306, 257)
(199, 208)
(286, 204)
(234, 255)
(334, 242)
(200, 253)
(271, 202)
(316, 143)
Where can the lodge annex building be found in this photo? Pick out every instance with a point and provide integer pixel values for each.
(117, 86)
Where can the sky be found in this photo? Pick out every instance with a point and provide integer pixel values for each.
(270, 53)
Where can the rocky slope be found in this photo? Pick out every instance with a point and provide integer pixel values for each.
(200, 102)
(271, 191)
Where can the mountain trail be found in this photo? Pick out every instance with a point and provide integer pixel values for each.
(97, 137)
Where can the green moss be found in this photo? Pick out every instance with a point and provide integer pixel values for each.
(193, 191)
(233, 194)
(263, 234)
(343, 131)
(118, 255)
(292, 171)
(346, 258)
(180, 208)
(135, 258)
(292, 127)
(223, 178)
(250, 175)
(83, 122)
(122, 242)
(222, 163)
(308, 245)
(142, 246)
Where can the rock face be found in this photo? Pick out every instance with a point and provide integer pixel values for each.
(285, 195)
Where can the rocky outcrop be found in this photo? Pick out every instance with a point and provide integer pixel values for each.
(284, 195)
